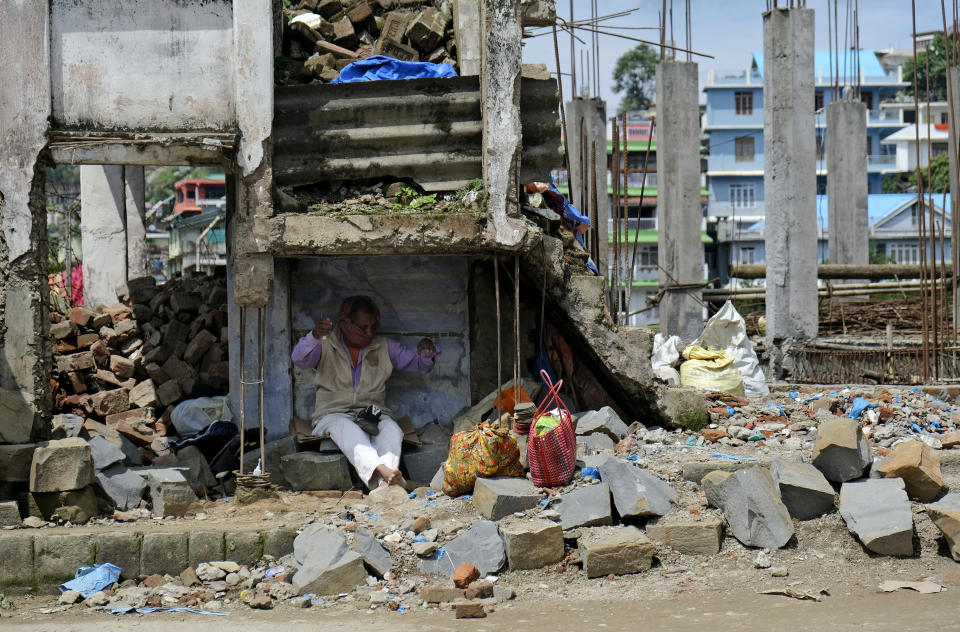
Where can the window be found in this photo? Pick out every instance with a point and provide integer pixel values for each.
(821, 147)
(904, 253)
(747, 254)
(939, 148)
(944, 118)
(743, 147)
(743, 102)
(191, 193)
(647, 256)
(869, 146)
(214, 192)
(742, 195)
(909, 116)
(818, 100)
(867, 98)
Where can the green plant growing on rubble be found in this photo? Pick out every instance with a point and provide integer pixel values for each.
(410, 198)
(474, 185)
(6, 604)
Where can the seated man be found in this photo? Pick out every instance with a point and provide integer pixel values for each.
(353, 364)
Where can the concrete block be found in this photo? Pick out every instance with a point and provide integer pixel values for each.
(532, 543)
(585, 507)
(122, 486)
(603, 421)
(104, 453)
(169, 393)
(496, 498)
(197, 472)
(121, 548)
(244, 547)
(16, 560)
(751, 505)
(877, 511)
(616, 550)
(377, 558)
(76, 506)
(122, 367)
(205, 546)
(479, 545)
(803, 489)
(15, 462)
(326, 565)
(63, 329)
(61, 465)
(918, 466)
(278, 542)
(274, 451)
(690, 538)
(636, 492)
(170, 492)
(945, 514)
(9, 514)
(81, 361)
(164, 553)
(841, 451)
(16, 417)
(312, 471)
(57, 557)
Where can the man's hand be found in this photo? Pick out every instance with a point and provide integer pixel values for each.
(322, 328)
(426, 345)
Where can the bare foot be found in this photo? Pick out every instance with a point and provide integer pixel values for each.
(383, 473)
(397, 479)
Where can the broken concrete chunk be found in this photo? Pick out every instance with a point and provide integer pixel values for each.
(170, 492)
(841, 451)
(636, 492)
(496, 498)
(313, 471)
(532, 544)
(604, 421)
(918, 466)
(143, 394)
(104, 453)
(15, 462)
(751, 505)
(585, 507)
(479, 545)
(61, 465)
(325, 564)
(377, 558)
(615, 550)
(122, 486)
(803, 489)
(877, 511)
(702, 537)
(427, 29)
(63, 329)
(538, 12)
(597, 442)
(76, 506)
(343, 33)
(945, 513)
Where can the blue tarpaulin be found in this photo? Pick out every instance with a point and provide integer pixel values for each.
(859, 405)
(91, 579)
(383, 68)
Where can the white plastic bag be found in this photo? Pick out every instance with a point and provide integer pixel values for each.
(192, 416)
(666, 353)
(726, 330)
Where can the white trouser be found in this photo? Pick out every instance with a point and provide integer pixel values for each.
(364, 453)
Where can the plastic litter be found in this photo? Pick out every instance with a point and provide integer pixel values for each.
(710, 370)
(440, 553)
(732, 457)
(632, 457)
(91, 579)
(859, 405)
(127, 609)
(466, 497)
(402, 610)
(274, 571)
(544, 502)
(779, 408)
(413, 495)
(730, 411)
(383, 68)
(916, 427)
(691, 440)
(373, 516)
(419, 539)
(194, 415)
(666, 354)
(793, 394)
(590, 472)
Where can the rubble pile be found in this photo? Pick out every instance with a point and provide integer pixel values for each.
(323, 36)
(127, 365)
(395, 197)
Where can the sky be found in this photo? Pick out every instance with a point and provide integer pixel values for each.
(730, 30)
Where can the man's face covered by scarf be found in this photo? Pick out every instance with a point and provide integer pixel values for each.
(359, 319)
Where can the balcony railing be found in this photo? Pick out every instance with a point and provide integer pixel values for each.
(734, 78)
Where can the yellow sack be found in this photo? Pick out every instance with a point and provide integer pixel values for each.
(710, 370)
(481, 452)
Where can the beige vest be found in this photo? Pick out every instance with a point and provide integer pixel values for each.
(334, 379)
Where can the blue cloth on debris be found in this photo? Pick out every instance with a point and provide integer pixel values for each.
(383, 68)
(730, 411)
(127, 609)
(590, 471)
(91, 579)
(859, 405)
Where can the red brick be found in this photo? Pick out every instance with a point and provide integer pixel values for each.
(473, 610)
(713, 434)
(465, 574)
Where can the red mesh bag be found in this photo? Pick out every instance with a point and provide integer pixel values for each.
(552, 456)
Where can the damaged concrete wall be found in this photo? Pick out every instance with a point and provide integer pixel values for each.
(24, 322)
(143, 64)
(418, 297)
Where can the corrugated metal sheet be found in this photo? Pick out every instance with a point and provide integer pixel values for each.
(428, 130)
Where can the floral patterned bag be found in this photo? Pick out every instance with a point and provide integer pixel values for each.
(481, 452)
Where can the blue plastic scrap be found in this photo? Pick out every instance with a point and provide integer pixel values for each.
(590, 472)
(440, 553)
(691, 440)
(383, 68)
(273, 572)
(721, 455)
(424, 503)
(466, 497)
(413, 495)
(128, 609)
(730, 411)
(544, 502)
(373, 516)
(916, 428)
(859, 405)
(778, 407)
(632, 457)
(419, 539)
(91, 579)
(793, 394)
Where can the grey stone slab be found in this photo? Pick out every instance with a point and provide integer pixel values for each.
(751, 505)
(196, 470)
(325, 563)
(278, 542)
(803, 489)
(76, 506)
(171, 498)
(496, 498)
(437, 481)
(313, 471)
(104, 453)
(636, 492)
(597, 441)
(122, 486)
(16, 560)
(604, 421)
(585, 507)
(15, 462)
(945, 514)
(878, 512)
(274, 451)
(690, 538)
(244, 547)
(695, 470)
(57, 557)
(480, 545)
(61, 465)
(164, 553)
(377, 558)
(206, 546)
(421, 464)
(532, 544)
(841, 451)
(16, 415)
(120, 548)
(616, 550)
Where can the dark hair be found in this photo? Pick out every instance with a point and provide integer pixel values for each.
(362, 304)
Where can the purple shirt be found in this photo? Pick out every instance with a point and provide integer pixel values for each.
(306, 355)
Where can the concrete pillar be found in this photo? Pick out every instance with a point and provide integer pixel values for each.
(24, 294)
(680, 253)
(500, 107)
(102, 218)
(136, 226)
(849, 226)
(466, 15)
(594, 115)
(954, 120)
(790, 181)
